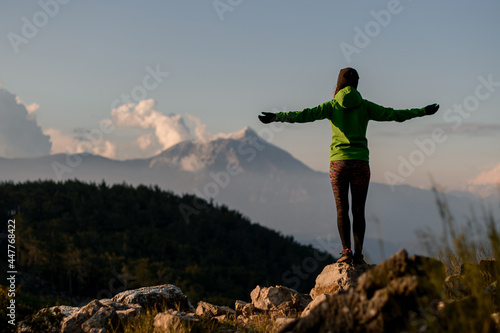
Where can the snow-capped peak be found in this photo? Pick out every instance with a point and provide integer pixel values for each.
(238, 135)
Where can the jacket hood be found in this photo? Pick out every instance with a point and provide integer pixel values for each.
(348, 98)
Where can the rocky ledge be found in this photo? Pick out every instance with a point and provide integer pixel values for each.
(388, 297)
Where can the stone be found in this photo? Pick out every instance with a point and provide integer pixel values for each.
(384, 299)
(248, 310)
(157, 297)
(47, 319)
(278, 298)
(97, 315)
(315, 302)
(238, 306)
(72, 324)
(280, 322)
(101, 319)
(220, 318)
(65, 309)
(496, 319)
(174, 321)
(455, 287)
(205, 309)
(337, 278)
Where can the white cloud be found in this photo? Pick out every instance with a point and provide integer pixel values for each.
(65, 143)
(31, 108)
(169, 130)
(191, 163)
(486, 184)
(145, 141)
(20, 135)
(60, 141)
(199, 129)
(107, 149)
(487, 177)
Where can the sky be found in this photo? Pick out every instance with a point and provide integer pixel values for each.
(128, 79)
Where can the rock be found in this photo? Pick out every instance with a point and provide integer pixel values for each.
(278, 298)
(47, 320)
(205, 309)
(496, 318)
(100, 320)
(248, 310)
(337, 278)
(315, 302)
(157, 297)
(280, 322)
(456, 287)
(174, 321)
(72, 324)
(220, 318)
(384, 300)
(65, 310)
(98, 315)
(238, 306)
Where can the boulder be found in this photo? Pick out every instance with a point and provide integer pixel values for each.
(158, 297)
(73, 323)
(174, 321)
(238, 306)
(97, 315)
(205, 309)
(280, 322)
(65, 309)
(385, 299)
(337, 278)
(100, 320)
(248, 310)
(278, 298)
(315, 302)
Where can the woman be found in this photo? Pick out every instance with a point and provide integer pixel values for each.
(349, 114)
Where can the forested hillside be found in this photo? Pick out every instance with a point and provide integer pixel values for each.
(79, 241)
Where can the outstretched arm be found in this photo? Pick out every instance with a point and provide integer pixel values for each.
(307, 115)
(381, 113)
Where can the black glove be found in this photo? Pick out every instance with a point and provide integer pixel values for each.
(267, 117)
(431, 109)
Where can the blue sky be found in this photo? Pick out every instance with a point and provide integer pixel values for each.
(227, 64)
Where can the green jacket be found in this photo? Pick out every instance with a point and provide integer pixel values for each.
(349, 114)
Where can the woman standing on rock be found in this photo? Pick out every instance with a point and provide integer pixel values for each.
(349, 114)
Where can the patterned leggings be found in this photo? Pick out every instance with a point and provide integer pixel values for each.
(356, 174)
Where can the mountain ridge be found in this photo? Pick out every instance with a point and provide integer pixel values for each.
(262, 181)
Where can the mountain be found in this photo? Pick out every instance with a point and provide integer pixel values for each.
(262, 181)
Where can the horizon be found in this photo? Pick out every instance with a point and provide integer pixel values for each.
(196, 71)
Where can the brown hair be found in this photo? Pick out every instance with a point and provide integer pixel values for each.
(347, 77)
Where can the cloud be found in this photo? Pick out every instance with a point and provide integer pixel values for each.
(486, 184)
(199, 129)
(168, 130)
(31, 108)
(487, 177)
(20, 135)
(77, 143)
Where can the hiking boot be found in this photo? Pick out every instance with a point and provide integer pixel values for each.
(357, 259)
(346, 257)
